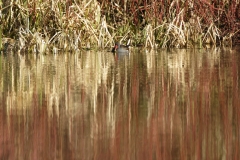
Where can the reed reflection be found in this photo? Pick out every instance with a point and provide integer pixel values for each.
(167, 104)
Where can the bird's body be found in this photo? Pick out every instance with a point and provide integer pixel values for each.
(8, 45)
(118, 48)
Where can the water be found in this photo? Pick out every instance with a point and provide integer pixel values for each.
(165, 104)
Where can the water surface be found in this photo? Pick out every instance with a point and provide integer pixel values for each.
(164, 104)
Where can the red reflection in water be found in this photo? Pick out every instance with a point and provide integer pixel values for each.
(140, 113)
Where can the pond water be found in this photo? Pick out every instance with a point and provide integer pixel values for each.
(164, 104)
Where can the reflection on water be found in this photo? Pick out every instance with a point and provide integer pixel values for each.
(166, 104)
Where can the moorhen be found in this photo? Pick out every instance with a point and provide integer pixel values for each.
(118, 48)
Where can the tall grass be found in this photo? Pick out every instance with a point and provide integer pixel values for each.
(0, 37)
(73, 24)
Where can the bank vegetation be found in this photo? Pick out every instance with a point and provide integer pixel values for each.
(41, 25)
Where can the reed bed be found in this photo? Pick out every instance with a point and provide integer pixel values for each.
(73, 24)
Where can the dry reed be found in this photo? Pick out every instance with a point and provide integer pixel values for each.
(61, 25)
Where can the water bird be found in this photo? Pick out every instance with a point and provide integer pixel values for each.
(119, 48)
(8, 44)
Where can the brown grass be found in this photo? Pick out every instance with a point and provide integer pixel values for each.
(72, 24)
